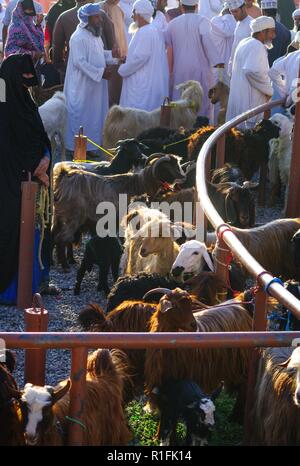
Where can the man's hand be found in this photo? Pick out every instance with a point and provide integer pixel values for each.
(107, 73)
(42, 167)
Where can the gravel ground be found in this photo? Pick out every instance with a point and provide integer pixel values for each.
(63, 310)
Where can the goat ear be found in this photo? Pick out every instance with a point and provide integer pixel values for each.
(58, 394)
(192, 405)
(165, 305)
(208, 260)
(285, 363)
(216, 393)
(250, 185)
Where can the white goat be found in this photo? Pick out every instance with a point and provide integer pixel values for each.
(54, 116)
(123, 123)
(280, 155)
(192, 257)
(137, 217)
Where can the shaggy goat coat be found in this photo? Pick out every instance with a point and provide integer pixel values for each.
(206, 367)
(275, 417)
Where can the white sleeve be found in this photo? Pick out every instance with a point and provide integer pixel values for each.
(277, 74)
(210, 49)
(137, 58)
(260, 82)
(80, 61)
(221, 26)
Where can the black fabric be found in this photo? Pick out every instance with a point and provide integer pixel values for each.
(23, 142)
(28, 6)
(56, 10)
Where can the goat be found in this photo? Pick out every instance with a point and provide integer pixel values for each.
(184, 399)
(54, 117)
(129, 155)
(271, 246)
(220, 93)
(206, 367)
(80, 191)
(46, 408)
(126, 122)
(191, 259)
(275, 415)
(280, 156)
(104, 252)
(129, 316)
(247, 150)
(11, 428)
(154, 239)
(296, 248)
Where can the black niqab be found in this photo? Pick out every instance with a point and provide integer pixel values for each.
(23, 142)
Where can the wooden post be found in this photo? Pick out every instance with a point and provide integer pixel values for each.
(259, 325)
(221, 254)
(293, 200)
(220, 161)
(77, 396)
(165, 113)
(36, 320)
(80, 142)
(26, 243)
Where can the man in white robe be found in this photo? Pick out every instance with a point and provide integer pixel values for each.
(223, 27)
(284, 75)
(296, 28)
(250, 83)
(242, 30)
(86, 87)
(159, 17)
(145, 72)
(190, 39)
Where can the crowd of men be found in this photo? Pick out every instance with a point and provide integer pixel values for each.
(135, 54)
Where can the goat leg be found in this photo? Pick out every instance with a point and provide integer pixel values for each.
(70, 255)
(79, 277)
(61, 257)
(103, 275)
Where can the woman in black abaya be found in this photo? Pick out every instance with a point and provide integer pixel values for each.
(24, 148)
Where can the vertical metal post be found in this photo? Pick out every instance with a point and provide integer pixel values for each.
(259, 325)
(293, 200)
(220, 161)
(80, 142)
(36, 320)
(77, 396)
(221, 254)
(26, 243)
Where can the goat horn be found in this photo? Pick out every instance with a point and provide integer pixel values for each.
(157, 290)
(157, 155)
(190, 166)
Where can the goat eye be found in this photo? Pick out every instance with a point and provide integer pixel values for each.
(195, 253)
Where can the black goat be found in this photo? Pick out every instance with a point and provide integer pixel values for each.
(230, 173)
(104, 252)
(184, 399)
(134, 287)
(248, 150)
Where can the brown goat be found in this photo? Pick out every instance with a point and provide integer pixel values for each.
(271, 246)
(276, 416)
(11, 428)
(207, 367)
(80, 191)
(220, 93)
(103, 416)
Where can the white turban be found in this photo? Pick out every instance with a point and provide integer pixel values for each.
(189, 2)
(262, 23)
(234, 4)
(89, 9)
(268, 4)
(143, 8)
(296, 13)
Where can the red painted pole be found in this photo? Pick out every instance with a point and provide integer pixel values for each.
(293, 200)
(221, 151)
(26, 243)
(259, 325)
(77, 397)
(36, 320)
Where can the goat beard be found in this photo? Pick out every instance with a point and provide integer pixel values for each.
(133, 27)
